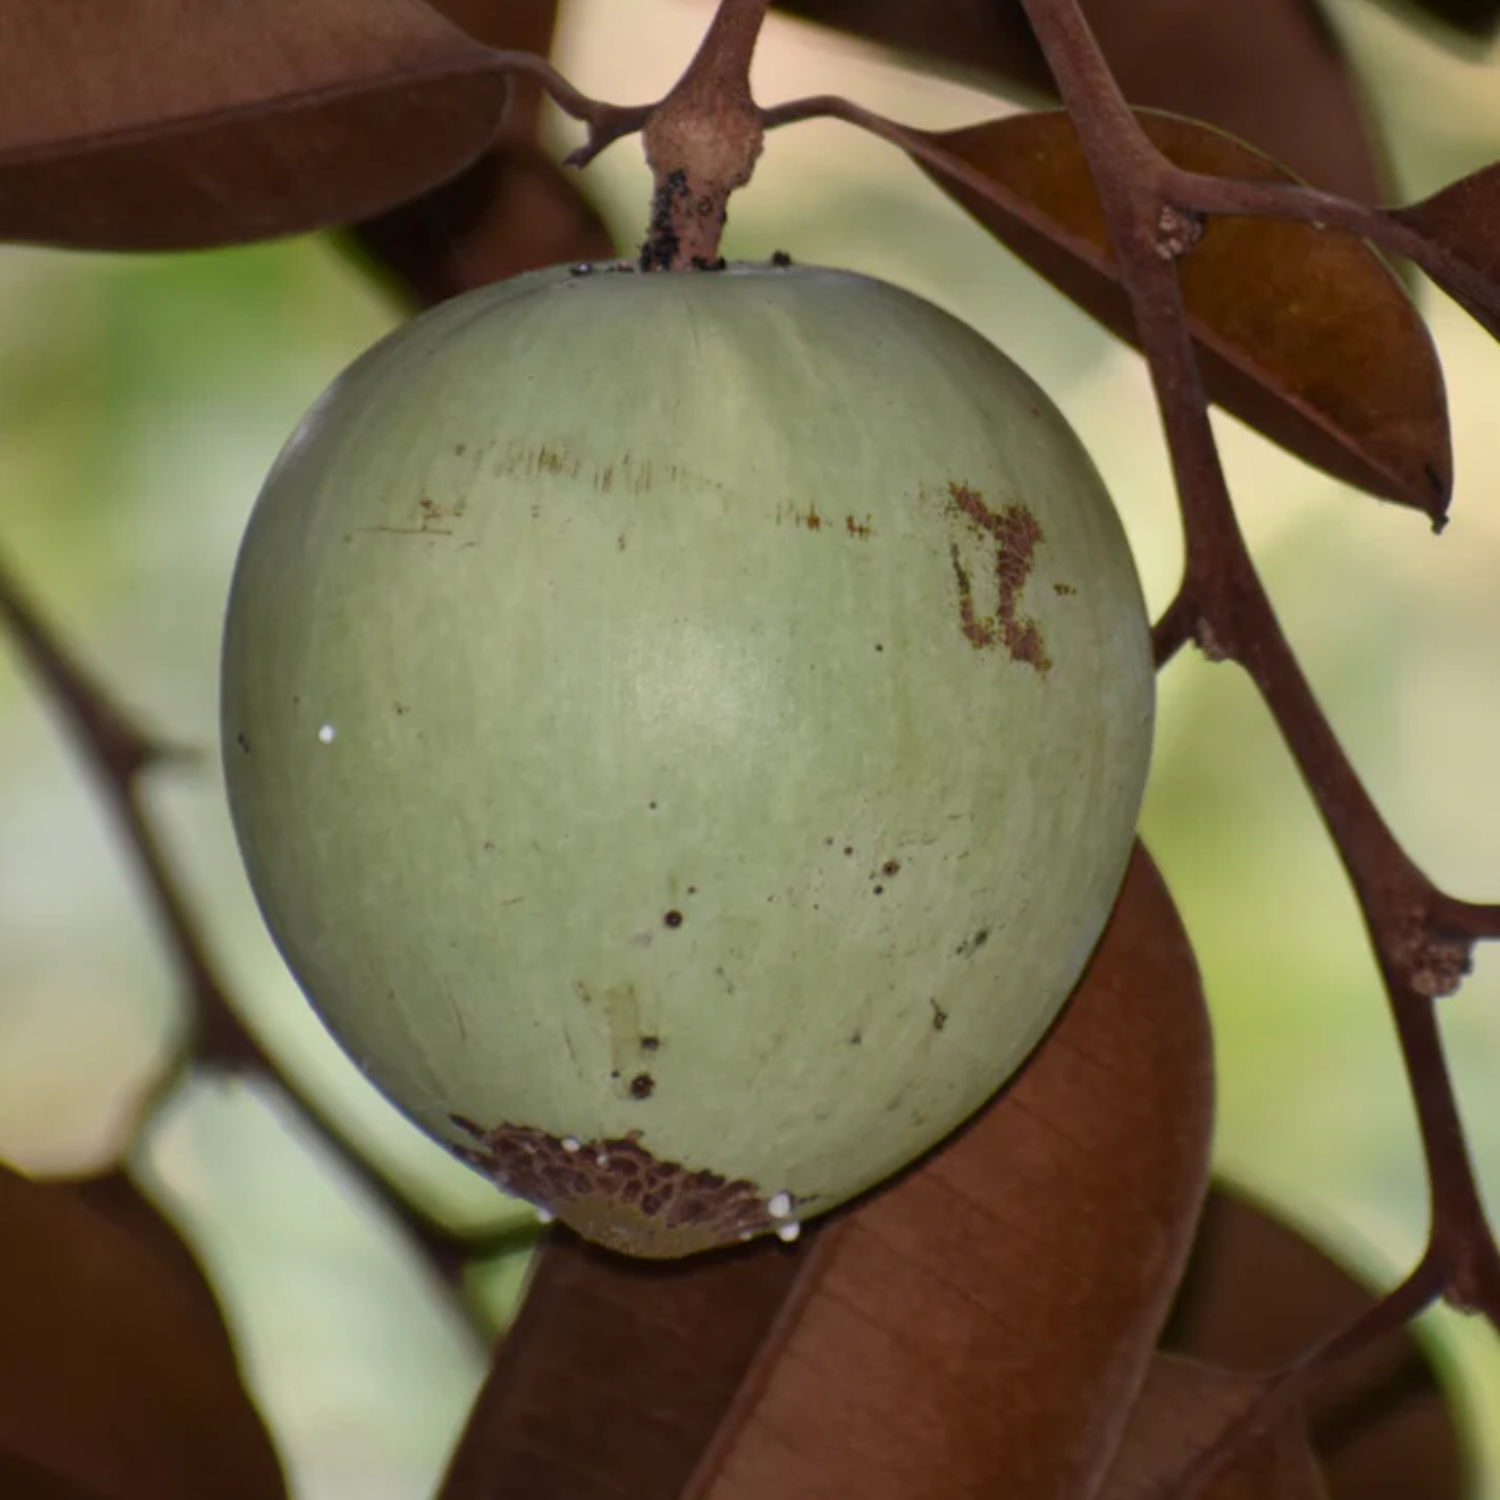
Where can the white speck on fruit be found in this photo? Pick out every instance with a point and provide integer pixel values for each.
(788, 1231)
(326, 734)
(780, 1206)
(570, 1143)
(544, 1215)
(601, 1160)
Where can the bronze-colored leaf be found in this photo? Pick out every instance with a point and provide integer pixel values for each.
(1308, 337)
(1272, 73)
(514, 210)
(1257, 1295)
(170, 124)
(116, 1382)
(1182, 1412)
(517, 26)
(983, 1320)
(1464, 218)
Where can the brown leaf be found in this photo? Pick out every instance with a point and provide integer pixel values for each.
(1464, 218)
(1308, 337)
(1271, 73)
(517, 26)
(170, 124)
(1257, 1294)
(1183, 1410)
(514, 210)
(117, 1382)
(983, 1320)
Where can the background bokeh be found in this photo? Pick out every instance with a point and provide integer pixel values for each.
(142, 400)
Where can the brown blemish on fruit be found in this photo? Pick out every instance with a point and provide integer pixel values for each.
(1063, 590)
(615, 1192)
(970, 946)
(939, 1016)
(650, 1043)
(810, 518)
(673, 918)
(642, 1086)
(891, 867)
(1015, 534)
(862, 529)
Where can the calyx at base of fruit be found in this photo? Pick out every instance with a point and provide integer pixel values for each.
(617, 1194)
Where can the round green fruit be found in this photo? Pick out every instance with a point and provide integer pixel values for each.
(686, 734)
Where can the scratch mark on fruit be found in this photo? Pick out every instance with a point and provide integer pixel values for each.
(1015, 534)
(614, 1191)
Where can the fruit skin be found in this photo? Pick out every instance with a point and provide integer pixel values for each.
(685, 733)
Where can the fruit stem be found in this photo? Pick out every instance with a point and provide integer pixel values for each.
(702, 142)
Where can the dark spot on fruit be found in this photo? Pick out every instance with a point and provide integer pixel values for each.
(650, 1043)
(660, 248)
(692, 890)
(242, 741)
(878, 646)
(862, 529)
(642, 1086)
(400, 708)
(652, 806)
(614, 1075)
(460, 449)
(848, 848)
(812, 520)
(880, 890)
(939, 1016)
(856, 1039)
(673, 918)
(1062, 590)
(489, 846)
(616, 1190)
(1015, 533)
(620, 542)
(891, 867)
(970, 946)
(780, 258)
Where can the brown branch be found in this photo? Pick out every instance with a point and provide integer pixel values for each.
(1284, 1391)
(1422, 937)
(120, 753)
(607, 123)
